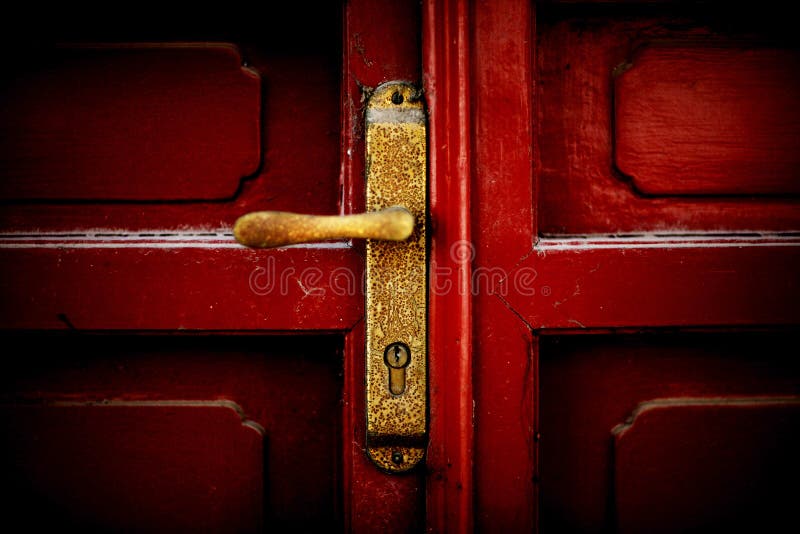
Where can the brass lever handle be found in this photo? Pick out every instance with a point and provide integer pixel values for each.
(262, 229)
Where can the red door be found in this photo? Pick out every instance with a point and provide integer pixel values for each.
(159, 375)
(633, 172)
(613, 269)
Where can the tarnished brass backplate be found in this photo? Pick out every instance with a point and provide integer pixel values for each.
(396, 280)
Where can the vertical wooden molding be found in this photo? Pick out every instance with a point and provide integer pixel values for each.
(504, 218)
(446, 62)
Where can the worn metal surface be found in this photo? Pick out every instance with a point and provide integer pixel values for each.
(396, 278)
(263, 229)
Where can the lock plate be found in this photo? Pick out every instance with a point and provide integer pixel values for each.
(396, 353)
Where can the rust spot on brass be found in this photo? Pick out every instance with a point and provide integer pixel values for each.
(264, 229)
(396, 354)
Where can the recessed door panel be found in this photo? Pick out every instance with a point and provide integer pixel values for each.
(164, 432)
(148, 121)
(640, 427)
(665, 120)
(698, 119)
(155, 126)
(697, 464)
(134, 465)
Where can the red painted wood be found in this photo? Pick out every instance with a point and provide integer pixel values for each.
(289, 386)
(183, 284)
(590, 384)
(667, 282)
(662, 281)
(98, 466)
(708, 464)
(369, 59)
(447, 49)
(503, 226)
(301, 162)
(521, 144)
(580, 191)
(173, 266)
(709, 121)
(505, 420)
(706, 121)
(371, 62)
(131, 122)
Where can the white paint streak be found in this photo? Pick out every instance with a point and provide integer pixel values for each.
(665, 242)
(105, 239)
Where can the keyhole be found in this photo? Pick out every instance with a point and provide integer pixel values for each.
(397, 356)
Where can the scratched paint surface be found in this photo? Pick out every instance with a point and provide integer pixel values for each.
(396, 288)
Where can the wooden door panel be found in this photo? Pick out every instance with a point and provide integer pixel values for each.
(152, 121)
(695, 119)
(708, 404)
(132, 465)
(251, 120)
(643, 126)
(189, 432)
(726, 463)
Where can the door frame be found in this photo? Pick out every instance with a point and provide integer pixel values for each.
(478, 85)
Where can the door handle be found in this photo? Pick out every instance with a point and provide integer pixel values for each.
(263, 229)
(396, 271)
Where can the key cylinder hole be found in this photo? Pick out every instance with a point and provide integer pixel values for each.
(397, 355)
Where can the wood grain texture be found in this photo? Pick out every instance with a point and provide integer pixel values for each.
(131, 122)
(709, 121)
(543, 416)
